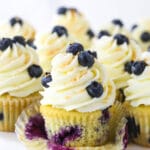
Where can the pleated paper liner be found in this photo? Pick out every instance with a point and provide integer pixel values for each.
(118, 136)
(11, 107)
(139, 124)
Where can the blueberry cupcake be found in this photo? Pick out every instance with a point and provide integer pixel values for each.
(17, 27)
(50, 44)
(76, 97)
(78, 27)
(116, 53)
(20, 79)
(30, 130)
(137, 101)
(141, 33)
(116, 26)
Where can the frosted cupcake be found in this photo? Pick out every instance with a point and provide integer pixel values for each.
(50, 44)
(77, 99)
(78, 27)
(17, 27)
(20, 79)
(114, 27)
(116, 52)
(141, 33)
(138, 101)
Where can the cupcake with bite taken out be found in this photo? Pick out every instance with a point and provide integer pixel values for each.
(50, 44)
(137, 101)
(76, 24)
(17, 27)
(20, 79)
(115, 53)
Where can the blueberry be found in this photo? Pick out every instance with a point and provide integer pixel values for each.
(62, 10)
(138, 67)
(94, 54)
(46, 79)
(105, 116)
(1, 116)
(121, 39)
(5, 43)
(74, 48)
(85, 59)
(35, 71)
(20, 40)
(60, 31)
(128, 67)
(145, 36)
(117, 22)
(15, 20)
(134, 27)
(103, 33)
(31, 43)
(95, 89)
(90, 33)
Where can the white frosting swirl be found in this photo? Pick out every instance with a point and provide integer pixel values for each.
(49, 45)
(14, 77)
(25, 30)
(137, 92)
(69, 81)
(76, 24)
(115, 56)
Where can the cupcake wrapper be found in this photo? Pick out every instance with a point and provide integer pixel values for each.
(117, 143)
(139, 124)
(11, 107)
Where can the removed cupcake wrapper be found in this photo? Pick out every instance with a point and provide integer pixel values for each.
(118, 137)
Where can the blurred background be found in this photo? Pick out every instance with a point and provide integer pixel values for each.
(39, 12)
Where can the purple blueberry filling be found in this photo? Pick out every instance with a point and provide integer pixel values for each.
(69, 133)
(52, 146)
(105, 116)
(35, 128)
(125, 138)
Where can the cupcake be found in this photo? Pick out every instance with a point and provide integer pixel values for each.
(20, 79)
(117, 53)
(30, 130)
(137, 101)
(17, 27)
(77, 99)
(141, 33)
(50, 44)
(78, 27)
(116, 26)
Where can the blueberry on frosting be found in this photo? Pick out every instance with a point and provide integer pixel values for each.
(95, 89)
(134, 27)
(75, 48)
(62, 10)
(35, 71)
(90, 33)
(85, 59)
(138, 67)
(16, 20)
(145, 36)
(46, 79)
(20, 40)
(1, 116)
(5, 43)
(103, 33)
(121, 39)
(93, 53)
(31, 43)
(60, 31)
(117, 22)
(128, 67)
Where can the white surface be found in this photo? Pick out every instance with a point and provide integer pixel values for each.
(39, 13)
(9, 140)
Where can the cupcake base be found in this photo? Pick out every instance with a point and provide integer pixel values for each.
(139, 124)
(11, 107)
